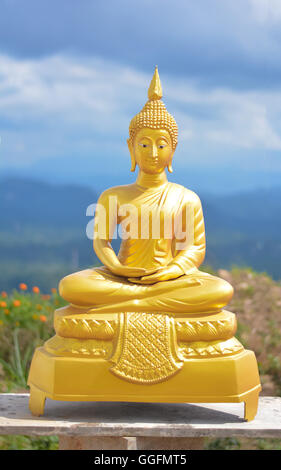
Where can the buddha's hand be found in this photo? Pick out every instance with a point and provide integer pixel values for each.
(129, 271)
(163, 274)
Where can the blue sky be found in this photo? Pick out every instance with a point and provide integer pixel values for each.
(73, 74)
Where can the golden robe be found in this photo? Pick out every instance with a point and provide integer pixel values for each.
(194, 291)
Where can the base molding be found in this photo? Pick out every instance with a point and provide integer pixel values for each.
(205, 380)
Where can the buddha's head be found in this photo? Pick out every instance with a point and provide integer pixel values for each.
(153, 133)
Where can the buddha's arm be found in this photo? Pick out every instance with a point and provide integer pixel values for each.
(192, 249)
(104, 227)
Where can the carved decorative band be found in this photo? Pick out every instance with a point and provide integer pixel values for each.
(103, 349)
(79, 348)
(219, 326)
(206, 330)
(210, 349)
(86, 328)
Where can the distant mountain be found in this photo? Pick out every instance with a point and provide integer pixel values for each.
(27, 202)
(253, 213)
(42, 230)
(211, 178)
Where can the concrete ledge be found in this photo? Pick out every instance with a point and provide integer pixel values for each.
(116, 419)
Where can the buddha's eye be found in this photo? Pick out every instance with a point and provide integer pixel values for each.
(161, 146)
(143, 145)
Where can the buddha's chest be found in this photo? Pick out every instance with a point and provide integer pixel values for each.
(151, 216)
(147, 222)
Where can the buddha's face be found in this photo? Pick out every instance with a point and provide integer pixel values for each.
(152, 150)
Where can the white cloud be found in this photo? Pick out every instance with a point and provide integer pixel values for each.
(245, 121)
(249, 120)
(57, 106)
(266, 10)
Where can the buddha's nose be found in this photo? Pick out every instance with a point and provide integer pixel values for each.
(154, 151)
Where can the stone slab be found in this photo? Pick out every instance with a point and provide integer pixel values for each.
(97, 443)
(121, 419)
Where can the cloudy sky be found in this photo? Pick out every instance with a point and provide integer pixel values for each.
(73, 74)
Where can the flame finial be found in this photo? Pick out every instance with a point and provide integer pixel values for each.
(155, 89)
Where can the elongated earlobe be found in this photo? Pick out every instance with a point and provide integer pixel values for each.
(133, 165)
(169, 166)
(131, 150)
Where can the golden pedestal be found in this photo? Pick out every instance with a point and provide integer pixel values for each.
(141, 357)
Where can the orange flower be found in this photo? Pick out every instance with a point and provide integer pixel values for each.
(34, 316)
(4, 294)
(7, 311)
(39, 307)
(42, 318)
(23, 286)
(45, 296)
(54, 290)
(3, 304)
(16, 303)
(36, 290)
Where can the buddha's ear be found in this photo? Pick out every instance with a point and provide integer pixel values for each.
(131, 150)
(169, 166)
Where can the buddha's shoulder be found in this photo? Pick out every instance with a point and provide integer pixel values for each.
(117, 191)
(187, 194)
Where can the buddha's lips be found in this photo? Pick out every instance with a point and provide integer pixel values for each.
(150, 160)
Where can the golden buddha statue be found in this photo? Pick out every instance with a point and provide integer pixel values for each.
(148, 323)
